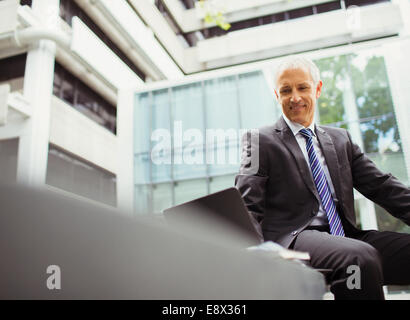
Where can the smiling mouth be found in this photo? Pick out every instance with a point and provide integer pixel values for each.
(297, 107)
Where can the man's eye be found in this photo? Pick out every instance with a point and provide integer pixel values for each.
(285, 91)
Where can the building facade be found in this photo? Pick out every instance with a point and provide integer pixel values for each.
(123, 102)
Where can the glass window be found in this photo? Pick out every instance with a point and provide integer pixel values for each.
(12, 67)
(69, 173)
(161, 105)
(224, 159)
(389, 158)
(221, 182)
(188, 106)
(161, 170)
(67, 88)
(302, 12)
(222, 103)
(371, 84)
(59, 171)
(161, 197)
(8, 160)
(142, 169)
(380, 134)
(191, 163)
(161, 133)
(362, 2)
(330, 104)
(143, 199)
(374, 104)
(26, 2)
(188, 131)
(378, 126)
(386, 222)
(189, 190)
(142, 123)
(77, 94)
(58, 83)
(329, 6)
(188, 4)
(94, 107)
(223, 123)
(257, 104)
(356, 95)
(87, 106)
(357, 209)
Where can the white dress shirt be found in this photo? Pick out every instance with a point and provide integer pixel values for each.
(320, 218)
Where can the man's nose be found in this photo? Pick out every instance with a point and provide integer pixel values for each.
(295, 98)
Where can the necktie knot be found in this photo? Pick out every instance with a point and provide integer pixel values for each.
(306, 132)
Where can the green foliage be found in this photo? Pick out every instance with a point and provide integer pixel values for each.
(375, 109)
(330, 104)
(372, 93)
(212, 16)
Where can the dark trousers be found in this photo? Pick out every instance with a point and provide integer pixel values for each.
(361, 263)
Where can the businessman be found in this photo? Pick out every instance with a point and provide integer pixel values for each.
(299, 192)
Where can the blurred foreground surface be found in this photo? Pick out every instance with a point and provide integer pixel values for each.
(103, 254)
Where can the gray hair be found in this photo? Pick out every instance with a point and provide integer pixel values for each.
(294, 62)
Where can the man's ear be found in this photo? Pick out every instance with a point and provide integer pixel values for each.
(319, 89)
(276, 94)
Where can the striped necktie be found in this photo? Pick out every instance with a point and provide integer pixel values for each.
(322, 186)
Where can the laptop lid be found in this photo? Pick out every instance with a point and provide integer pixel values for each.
(223, 211)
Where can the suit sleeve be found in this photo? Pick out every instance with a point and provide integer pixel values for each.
(252, 178)
(383, 189)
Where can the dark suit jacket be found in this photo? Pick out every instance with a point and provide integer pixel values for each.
(281, 196)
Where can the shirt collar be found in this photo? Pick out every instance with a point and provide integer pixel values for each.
(296, 127)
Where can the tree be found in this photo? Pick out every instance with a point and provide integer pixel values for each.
(330, 104)
(375, 109)
(374, 101)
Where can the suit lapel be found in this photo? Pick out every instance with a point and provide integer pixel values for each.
(289, 140)
(332, 162)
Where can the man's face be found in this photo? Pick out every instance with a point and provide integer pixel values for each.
(297, 94)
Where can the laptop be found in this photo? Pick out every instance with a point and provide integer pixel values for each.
(223, 212)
